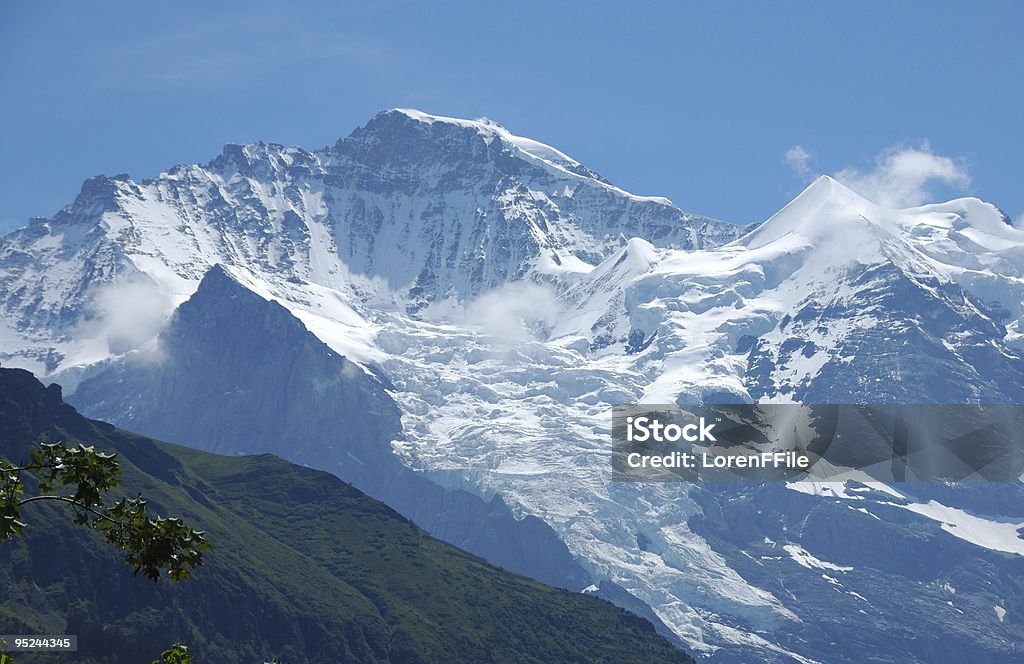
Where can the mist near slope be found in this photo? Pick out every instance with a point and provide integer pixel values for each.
(513, 313)
(126, 314)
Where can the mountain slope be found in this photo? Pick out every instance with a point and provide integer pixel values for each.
(304, 566)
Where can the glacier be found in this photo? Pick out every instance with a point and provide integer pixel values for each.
(509, 296)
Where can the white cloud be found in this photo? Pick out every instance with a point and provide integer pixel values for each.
(799, 159)
(1019, 221)
(514, 312)
(127, 313)
(509, 314)
(905, 177)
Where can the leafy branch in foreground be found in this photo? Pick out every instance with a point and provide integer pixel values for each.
(81, 477)
(176, 654)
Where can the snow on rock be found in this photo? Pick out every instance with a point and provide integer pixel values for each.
(986, 533)
(801, 556)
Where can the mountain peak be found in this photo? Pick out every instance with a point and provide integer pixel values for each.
(822, 209)
(410, 126)
(395, 119)
(220, 282)
(216, 274)
(428, 118)
(829, 211)
(827, 189)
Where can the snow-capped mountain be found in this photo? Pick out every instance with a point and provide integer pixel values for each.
(508, 297)
(408, 210)
(832, 300)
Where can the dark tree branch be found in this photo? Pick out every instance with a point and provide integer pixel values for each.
(70, 501)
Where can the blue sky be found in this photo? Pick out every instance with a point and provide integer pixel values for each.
(727, 108)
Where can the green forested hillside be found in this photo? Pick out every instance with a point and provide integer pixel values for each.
(304, 567)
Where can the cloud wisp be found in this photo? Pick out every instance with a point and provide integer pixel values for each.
(905, 176)
(799, 159)
(127, 313)
(514, 312)
(510, 314)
